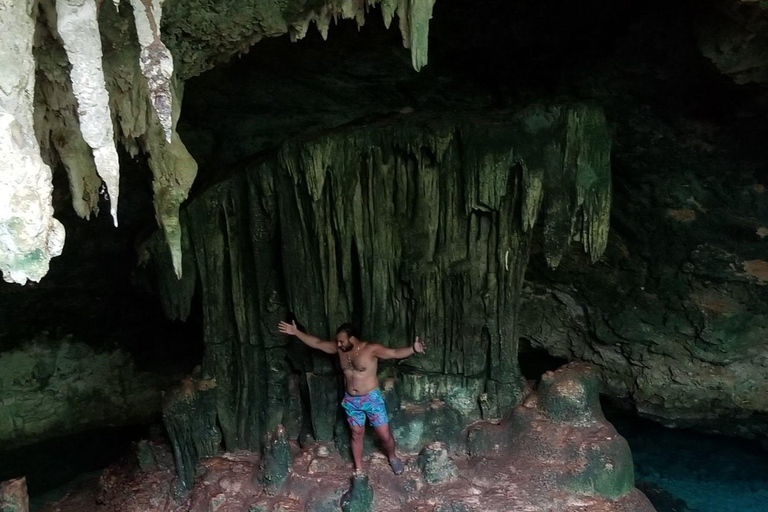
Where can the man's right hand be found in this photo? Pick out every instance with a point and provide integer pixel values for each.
(289, 329)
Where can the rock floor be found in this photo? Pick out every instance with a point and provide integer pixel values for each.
(320, 476)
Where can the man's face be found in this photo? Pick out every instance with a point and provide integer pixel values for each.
(343, 342)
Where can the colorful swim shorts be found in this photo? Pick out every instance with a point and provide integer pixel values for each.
(371, 405)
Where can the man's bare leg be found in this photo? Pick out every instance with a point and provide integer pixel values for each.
(385, 436)
(356, 443)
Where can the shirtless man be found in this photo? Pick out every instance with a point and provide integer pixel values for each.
(362, 398)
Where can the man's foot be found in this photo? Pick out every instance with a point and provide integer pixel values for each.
(358, 473)
(397, 465)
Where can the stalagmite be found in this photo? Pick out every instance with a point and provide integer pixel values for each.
(29, 235)
(79, 30)
(156, 61)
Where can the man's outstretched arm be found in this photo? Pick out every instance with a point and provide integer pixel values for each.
(328, 347)
(399, 353)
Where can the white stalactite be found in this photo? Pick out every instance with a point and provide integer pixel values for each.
(156, 61)
(79, 30)
(29, 235)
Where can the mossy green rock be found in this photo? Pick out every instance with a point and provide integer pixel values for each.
(276, 461)
(604, 469)
(435, 464)
(571, 395)
(359, 498)
(354, 213)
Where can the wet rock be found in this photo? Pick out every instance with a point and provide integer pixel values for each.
(435, 464)
(13, 496)
(276, 461)
(602, 467)
(145, 455)
(45, 394)
(571, 395)
(359, 498)
(189, 415)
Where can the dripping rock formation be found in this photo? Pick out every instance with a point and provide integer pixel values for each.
(412, 226)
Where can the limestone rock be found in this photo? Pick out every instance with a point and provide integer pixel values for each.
(156, 60)
(29, 235)
(435, 464)
(417, 224)
(571, 395)
(78, 27)
(190, 419)
(359, 498)
(561, 426)
(276, 461)
(44, 394)
(13, 496)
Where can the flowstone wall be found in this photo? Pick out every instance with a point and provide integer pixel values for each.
(411, 226)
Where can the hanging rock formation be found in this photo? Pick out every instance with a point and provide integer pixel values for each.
(78, 27)
(29, 235)
(91, 96)
(413, 226)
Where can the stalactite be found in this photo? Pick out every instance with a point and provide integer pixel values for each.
(173, 170)
(414, 25)
(156, 61)
(77, 112)
(78, 27)
(29, 235)
(414, 16)
(59, 128)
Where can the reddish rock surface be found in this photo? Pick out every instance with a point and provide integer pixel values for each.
(553, 453)
(13, 495)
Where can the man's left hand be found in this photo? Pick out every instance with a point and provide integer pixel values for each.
(418, 346)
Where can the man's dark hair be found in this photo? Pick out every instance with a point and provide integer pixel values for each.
(348, 328)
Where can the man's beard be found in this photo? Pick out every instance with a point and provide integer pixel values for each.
(346, 347)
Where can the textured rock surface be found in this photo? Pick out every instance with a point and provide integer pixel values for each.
(276, 461)
(81, 107)
(563, 424)
(414, 225)
(78, 26)
(13, 496)
(50, 388)
(675, 316)
(359, 497)
(29, 235)
(435, 464)
(558, 466)
(732, 34)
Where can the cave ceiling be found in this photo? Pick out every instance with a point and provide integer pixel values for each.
(84, 79)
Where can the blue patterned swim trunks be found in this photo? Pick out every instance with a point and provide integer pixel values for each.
(371, 405)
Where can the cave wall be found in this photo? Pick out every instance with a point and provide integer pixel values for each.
(676, 313)
(410, 226)
(52, 387)
(88, 347)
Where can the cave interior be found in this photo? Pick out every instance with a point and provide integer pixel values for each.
(564, 196)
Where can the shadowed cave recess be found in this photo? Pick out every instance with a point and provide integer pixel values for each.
(566, 200)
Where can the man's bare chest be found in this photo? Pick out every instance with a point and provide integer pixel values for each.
(359, 362)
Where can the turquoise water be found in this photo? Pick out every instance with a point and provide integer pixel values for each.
(710, 473)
